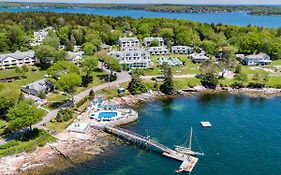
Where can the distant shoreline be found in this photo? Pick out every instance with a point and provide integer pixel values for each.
(260, 10)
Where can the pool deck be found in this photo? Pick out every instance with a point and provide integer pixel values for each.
(84, 122)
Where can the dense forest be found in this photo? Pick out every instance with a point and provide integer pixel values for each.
(90, 31)
(253, 9)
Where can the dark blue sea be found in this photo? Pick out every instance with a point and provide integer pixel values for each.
(245, 138)
(237, 18)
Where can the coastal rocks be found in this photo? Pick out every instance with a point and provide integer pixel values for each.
(71, 148)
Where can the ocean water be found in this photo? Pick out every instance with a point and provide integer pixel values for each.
(236, 18)
(245, 138)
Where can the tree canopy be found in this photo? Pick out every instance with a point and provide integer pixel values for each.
(23, 114)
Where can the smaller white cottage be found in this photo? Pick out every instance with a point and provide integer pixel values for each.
(147, 41)
(198, 57)
(40, 35)
(181, 49)
(158, 50)
(128, 42)
(255, 59)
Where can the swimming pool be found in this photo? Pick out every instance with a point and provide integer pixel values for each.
(107, 115)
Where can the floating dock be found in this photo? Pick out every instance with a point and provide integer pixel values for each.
(188, 161)
(206, 124)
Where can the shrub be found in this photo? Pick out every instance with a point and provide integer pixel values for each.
(9, 144)
(255, 84)
(64, 115)
(42, 94)
(81, 102)
(237, 84)
(209, 81)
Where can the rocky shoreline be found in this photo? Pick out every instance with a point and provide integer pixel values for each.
(132, 100)
(72, 148)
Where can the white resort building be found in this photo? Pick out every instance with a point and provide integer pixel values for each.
(198, 57)
(147, 41)
(17, 59)
(158, 50)
(40, 35)
(133, 57)
(128, 42)
(254, 59)
(181, 49)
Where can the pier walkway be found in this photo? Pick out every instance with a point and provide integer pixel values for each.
(188, 161)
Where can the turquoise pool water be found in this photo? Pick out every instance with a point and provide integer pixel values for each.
(107, 115)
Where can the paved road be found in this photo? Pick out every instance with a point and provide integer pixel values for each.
(121, 78)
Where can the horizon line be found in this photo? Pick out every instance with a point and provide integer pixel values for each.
(180, 4)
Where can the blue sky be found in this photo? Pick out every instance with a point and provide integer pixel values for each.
(264, 2)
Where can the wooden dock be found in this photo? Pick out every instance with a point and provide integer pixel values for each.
(188, 161)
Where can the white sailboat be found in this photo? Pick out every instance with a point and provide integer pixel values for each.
(188, 150)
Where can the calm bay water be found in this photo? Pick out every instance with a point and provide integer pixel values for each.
(237, 18)
(245, 138)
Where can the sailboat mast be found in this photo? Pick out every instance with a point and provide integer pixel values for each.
(190, 139)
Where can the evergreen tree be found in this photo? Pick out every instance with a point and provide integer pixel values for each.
(136, 86)
(168, 86)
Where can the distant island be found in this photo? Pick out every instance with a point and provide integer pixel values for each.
(250, 9)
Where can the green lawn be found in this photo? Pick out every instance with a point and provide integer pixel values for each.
(188, 68)
(276, 63)
(31, 76)
(274, 82)
(57, 97)
(28, 142)
(112, 91)
(184, 83)
(56, 126)
(247, 70)
(225, 82)
(96, 81)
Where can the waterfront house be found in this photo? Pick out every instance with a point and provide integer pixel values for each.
(38, 86)
(40, 35)
(17, 58)
(158, 50)
(181, 49)
(133, 57)
(147, 41)
(255, 59)
(198, 57)
(128, 42)
(75, 57)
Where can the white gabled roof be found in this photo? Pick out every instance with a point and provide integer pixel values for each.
(17, 55)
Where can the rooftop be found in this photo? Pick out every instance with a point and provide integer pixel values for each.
(17, 55)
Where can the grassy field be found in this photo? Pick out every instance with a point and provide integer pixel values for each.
(96, 81)
(247, 70)
(27, 143)
(57, 97)
(112, 91)
(274, 82)
(276, 63)
(56, 126)
(188, 68)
